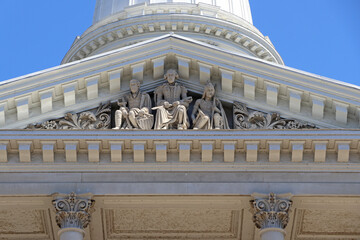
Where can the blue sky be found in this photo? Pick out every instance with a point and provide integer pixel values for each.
(317, 36)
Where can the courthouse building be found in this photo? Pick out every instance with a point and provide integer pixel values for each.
(107, 146)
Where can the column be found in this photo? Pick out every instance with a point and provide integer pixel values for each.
(271, 214)
(73, 214)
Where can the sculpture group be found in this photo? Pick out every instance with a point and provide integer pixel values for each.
(171, 112)
(172, 103)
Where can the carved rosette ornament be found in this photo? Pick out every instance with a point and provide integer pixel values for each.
(271, 211)
(73, 211)
(245, 118)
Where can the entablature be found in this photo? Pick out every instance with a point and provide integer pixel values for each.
(173, 150)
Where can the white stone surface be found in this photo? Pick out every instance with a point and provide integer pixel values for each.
(138, 71)
(116, 148)
(204, 72)
(272, 234)
(46, 99)
(3, 152)
(71, 234)
(227, 78)
(249, 87)
(22, 107)
(295, 100)
(272, 92)
(69, 93)
(48, 149)
(183, 67)
(2, 114)
(158, 68)
(115, 80)
(105, 8)
(92, 87)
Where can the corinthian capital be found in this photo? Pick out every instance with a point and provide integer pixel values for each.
(271, 211)
(73, 211)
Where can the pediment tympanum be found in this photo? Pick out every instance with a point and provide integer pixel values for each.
(83, 85)
(170, 108)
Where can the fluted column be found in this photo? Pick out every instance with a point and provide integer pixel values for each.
(73, 214)
(271, 214)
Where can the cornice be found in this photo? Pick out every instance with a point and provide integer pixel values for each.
(232, 150)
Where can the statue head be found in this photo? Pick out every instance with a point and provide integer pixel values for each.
(209, 90)
(171, 75)
(134, 85)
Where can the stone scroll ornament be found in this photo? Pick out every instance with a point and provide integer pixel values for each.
(73, 211)
(271, 211)
(245, 118)
(98, 119)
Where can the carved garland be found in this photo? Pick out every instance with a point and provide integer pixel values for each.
(100, 119)
(249, 119)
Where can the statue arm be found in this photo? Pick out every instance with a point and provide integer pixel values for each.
(195, 109)
(159, 101)
(185, 100)
(218, 107)
(122, 102)
(145, 102)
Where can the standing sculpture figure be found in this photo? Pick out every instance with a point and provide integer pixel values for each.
(138, 113)
(210, 112)
(172, 102)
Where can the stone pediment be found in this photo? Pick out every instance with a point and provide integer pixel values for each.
(103, 118)
(261, 86)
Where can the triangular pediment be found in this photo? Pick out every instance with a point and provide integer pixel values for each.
(261, 86)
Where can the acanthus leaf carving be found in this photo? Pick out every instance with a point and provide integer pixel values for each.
(245, 118)
(100, 119)
(271, 211)
(73, 211)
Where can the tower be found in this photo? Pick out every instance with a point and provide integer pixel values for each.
(106, 8)
(226, 24)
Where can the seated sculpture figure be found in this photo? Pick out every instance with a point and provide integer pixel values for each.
(137, 114)
(209, 110)
(172, 102)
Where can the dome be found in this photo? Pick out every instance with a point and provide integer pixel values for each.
(225, 24)
(106, 8)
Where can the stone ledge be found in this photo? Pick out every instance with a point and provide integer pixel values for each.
(338, 142)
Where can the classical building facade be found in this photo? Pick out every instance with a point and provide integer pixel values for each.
(178, 120)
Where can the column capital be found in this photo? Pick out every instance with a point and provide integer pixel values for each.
(73, 211)
(271, 211)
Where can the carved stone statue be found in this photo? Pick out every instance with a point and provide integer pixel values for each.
(135, 109)
(209, 110)
(171, 104)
